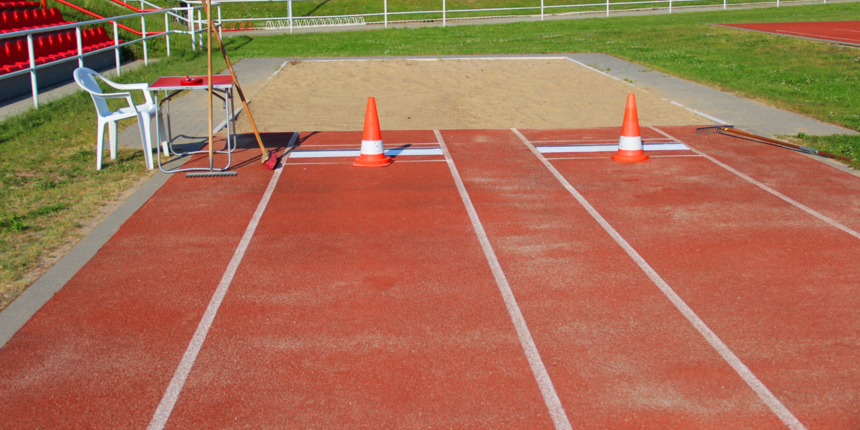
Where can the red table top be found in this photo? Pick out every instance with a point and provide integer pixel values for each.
(167, 83)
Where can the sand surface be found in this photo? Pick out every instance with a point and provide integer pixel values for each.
(451, 94)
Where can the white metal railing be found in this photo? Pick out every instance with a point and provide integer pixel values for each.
(314, 22)
(290, 22)
(195, 28)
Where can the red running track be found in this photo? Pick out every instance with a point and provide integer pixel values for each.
(365, 297)
(833, 31)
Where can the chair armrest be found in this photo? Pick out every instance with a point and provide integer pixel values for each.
(135, 86)
(112, 95)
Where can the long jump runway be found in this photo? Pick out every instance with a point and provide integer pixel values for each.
(486, 279)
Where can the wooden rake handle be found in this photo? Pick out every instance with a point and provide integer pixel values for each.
(781, 143)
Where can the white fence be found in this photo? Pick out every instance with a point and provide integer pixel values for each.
(195, 27)
(290, 22)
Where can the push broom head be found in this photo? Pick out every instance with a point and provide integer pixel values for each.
(271, 160)
(713, 129)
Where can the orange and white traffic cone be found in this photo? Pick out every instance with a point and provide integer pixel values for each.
(630, 144)
(372, 152)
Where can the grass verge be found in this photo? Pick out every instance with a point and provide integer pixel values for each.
(49, 183)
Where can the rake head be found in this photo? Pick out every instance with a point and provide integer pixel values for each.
(209, 174)
(714, 129)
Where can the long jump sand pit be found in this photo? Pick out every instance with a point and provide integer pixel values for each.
(451, 94)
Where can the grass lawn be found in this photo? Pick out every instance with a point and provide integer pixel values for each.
(50, 186)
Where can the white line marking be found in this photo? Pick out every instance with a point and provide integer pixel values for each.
(816, 36)
(168, 401)
(562, 149)
(594, 141)
(598, 71)
(604, 158)
(334, 153)
(757, 386)
(704, 115)
(342, 163)
(676, 103)
(807, 209)
(547, 390)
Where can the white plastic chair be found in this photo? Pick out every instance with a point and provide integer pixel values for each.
(86, 79)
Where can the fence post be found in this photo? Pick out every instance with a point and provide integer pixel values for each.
(607, 8)
(670, 7)
(385, 12)
(191, 26)
(290, 6)
(116, 46)
(167, 33)
(444, 14)
(220, 35)
(724, 4)
(200, 27)
(143, 32)
(541, 10)
(33, 72)
(80, 46)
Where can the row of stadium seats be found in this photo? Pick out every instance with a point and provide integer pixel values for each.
(18, 20)
(8, 4)
(14, 56)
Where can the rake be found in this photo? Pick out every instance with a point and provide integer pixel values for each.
(268, 157)
(729, 130)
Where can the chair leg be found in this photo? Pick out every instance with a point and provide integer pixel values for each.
(100, 145)
(112, 130)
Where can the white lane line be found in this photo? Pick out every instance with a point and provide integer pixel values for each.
(302, 163)
(604, 157)
(807, 209)
(334, 153)
(547, 390)
(562, 149)
(757, 386)
(171, 395)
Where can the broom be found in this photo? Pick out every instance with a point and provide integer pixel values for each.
(729, 130)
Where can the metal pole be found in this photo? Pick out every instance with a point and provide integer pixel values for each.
(81, 47)
(444, 13)
(191, 26)
(33, 72)
(607, 8)
(200, 27)
(541, 10)
(143, 32)
(220, 34)
(724, 4)
(290, 6)
(167, 33)
(116, 47)
(385, 11)
(670, 6)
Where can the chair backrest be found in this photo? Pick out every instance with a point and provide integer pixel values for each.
(86, 79)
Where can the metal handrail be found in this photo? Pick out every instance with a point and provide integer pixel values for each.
(115, 46)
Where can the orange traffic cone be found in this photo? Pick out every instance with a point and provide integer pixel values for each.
(630, 144)
(372, 152)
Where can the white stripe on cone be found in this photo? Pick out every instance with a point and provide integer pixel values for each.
(371, 147)
(630, 143)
